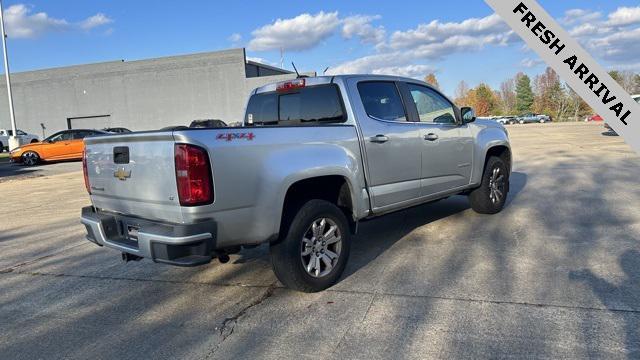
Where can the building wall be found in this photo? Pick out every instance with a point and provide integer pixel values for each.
(140, 95)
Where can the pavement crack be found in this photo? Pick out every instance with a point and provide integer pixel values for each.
(229, 324)
(46, 256)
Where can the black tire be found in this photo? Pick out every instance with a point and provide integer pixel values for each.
(482, 200)
(33, 141)
(1, 147)
(287, 253)
(30, 158)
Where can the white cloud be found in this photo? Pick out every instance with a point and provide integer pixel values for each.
(235, 38)
(488, 28)
(530, 63)
(624, 16)
(417, 71)
(587, 29)
(94, 21)
(431, 41)
(613, 39)
(580, 16)
(368, 64)
(302, 32)
(22, 22)
(619, 47)
(360, 26)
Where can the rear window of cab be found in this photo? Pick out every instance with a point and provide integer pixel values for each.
(313, 105)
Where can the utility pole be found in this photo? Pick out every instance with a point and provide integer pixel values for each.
(13, 139)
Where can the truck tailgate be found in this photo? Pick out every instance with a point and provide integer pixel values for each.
(134, 174)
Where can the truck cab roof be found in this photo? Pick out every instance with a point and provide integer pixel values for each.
(328, 79)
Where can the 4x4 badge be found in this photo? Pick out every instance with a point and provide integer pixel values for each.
(122, 174)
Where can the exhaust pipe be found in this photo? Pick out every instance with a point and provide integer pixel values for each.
(126, 257)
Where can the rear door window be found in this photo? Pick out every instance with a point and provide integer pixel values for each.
(307, 106)
(382, 100)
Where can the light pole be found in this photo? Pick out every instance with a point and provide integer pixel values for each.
(14, 142)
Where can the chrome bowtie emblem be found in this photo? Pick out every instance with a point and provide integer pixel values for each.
(122, 174)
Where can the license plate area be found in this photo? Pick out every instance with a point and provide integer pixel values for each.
(132, 232)
(128, 234)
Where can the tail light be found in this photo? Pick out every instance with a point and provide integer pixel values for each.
(85, 172)
(290, 85)
(193, 175)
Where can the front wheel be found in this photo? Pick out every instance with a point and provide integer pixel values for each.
(491, 195)
(313, 249)
(521, 121)
(542, 121)
(30, 158)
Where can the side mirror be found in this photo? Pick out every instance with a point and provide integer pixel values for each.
(468, 115)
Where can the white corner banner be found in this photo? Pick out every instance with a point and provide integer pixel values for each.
(574, 65)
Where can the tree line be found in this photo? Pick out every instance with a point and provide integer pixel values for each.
(546, 94)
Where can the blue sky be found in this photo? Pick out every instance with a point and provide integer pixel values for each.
(458, 40)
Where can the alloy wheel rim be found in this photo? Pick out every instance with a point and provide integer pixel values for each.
(30, 158)
(496, 185)
(321, 247)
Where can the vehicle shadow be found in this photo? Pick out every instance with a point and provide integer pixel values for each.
(9, 170)
(621, 296)
(377, 235)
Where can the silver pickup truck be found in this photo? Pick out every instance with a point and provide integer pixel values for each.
(313, 158)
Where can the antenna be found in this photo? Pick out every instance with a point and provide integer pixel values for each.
(298, 76)
(325, 70)
(294, 68)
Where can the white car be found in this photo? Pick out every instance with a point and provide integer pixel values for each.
(26, 138)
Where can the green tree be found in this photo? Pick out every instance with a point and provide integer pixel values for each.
(524, 94)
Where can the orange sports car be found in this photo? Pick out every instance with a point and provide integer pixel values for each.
(63, 145)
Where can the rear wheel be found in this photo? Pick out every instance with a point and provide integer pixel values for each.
(491, 195)
(1, 147)
(313, 249)
(542, 121)
(30, 158)
(521, 121)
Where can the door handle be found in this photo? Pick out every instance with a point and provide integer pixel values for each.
(431, 137)
(379, 139)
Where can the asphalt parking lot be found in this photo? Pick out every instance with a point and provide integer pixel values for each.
(555, 275)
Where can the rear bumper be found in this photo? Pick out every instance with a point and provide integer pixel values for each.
(174, 244)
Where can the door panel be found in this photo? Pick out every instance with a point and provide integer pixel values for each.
(446, 162)
(75, 148)
(447, 146)
(391, 143)
(58, 147)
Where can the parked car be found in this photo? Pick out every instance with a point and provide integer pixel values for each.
(533, 118)
(208, 124)
(63, 145)
(504, 120)
(594, 117)
(117, 130)
(25, 138)
(321, 155)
